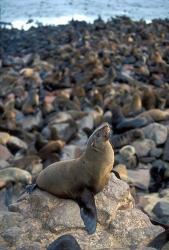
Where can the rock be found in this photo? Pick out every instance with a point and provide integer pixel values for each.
(157, 152)
(166, 150)
(156, 132)
(80, 139)
(140, 178)
(3, 164)
(5, 154)
(137, 234)
(127, 151)
(152, 199)
(12, 235)
(128, 156)
(71, 152)
(9, 219)
(161, 209)
(30, 122)
(143, 147)
(120, 225)
(16, 143)
(86, 122)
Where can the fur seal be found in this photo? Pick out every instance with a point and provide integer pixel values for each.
(64, 242)
(121, 123)
(11, 175)
(156, 115)
(80, 179)
(120, 140)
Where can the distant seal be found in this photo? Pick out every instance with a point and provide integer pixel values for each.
(9, 177)
(80, 179)
(121, 123)
(156, 115)
(120, 140)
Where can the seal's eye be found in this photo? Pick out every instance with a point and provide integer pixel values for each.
(98, 135)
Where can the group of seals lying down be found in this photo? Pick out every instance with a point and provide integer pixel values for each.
(80, 179)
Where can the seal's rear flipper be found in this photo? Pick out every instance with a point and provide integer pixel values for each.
(88, 210)
(29, 188)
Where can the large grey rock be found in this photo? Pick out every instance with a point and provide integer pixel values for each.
(46, 217)
(143, 147)
(71, 152)
(161, 209)
(156, 132)
(140, 177)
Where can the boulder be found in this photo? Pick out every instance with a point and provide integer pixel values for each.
(156, 132)
(46, 217)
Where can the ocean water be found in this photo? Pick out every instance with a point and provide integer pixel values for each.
(18, 12)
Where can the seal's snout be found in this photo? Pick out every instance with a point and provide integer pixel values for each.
(106, 131)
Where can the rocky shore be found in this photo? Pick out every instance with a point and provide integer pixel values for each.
(58, 83)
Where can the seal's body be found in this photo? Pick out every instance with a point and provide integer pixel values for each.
(66, 179)
(80, 179)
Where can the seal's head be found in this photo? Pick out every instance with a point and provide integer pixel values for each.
(100, 136)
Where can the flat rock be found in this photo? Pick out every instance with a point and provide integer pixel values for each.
(48, 217)
(156, 132)
(140, 177)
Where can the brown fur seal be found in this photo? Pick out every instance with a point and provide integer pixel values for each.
(10, 176)
(156, 115)
(80, 179)
(120, 140)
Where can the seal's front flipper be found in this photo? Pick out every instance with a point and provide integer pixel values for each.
(29, 188)
(9, 193)
(88, 210)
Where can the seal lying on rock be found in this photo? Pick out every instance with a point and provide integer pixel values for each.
(80, 179)
(10, 176)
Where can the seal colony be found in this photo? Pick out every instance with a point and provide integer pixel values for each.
(80, 179)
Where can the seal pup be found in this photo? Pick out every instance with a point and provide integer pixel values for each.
(64, 242)
(81, 178)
